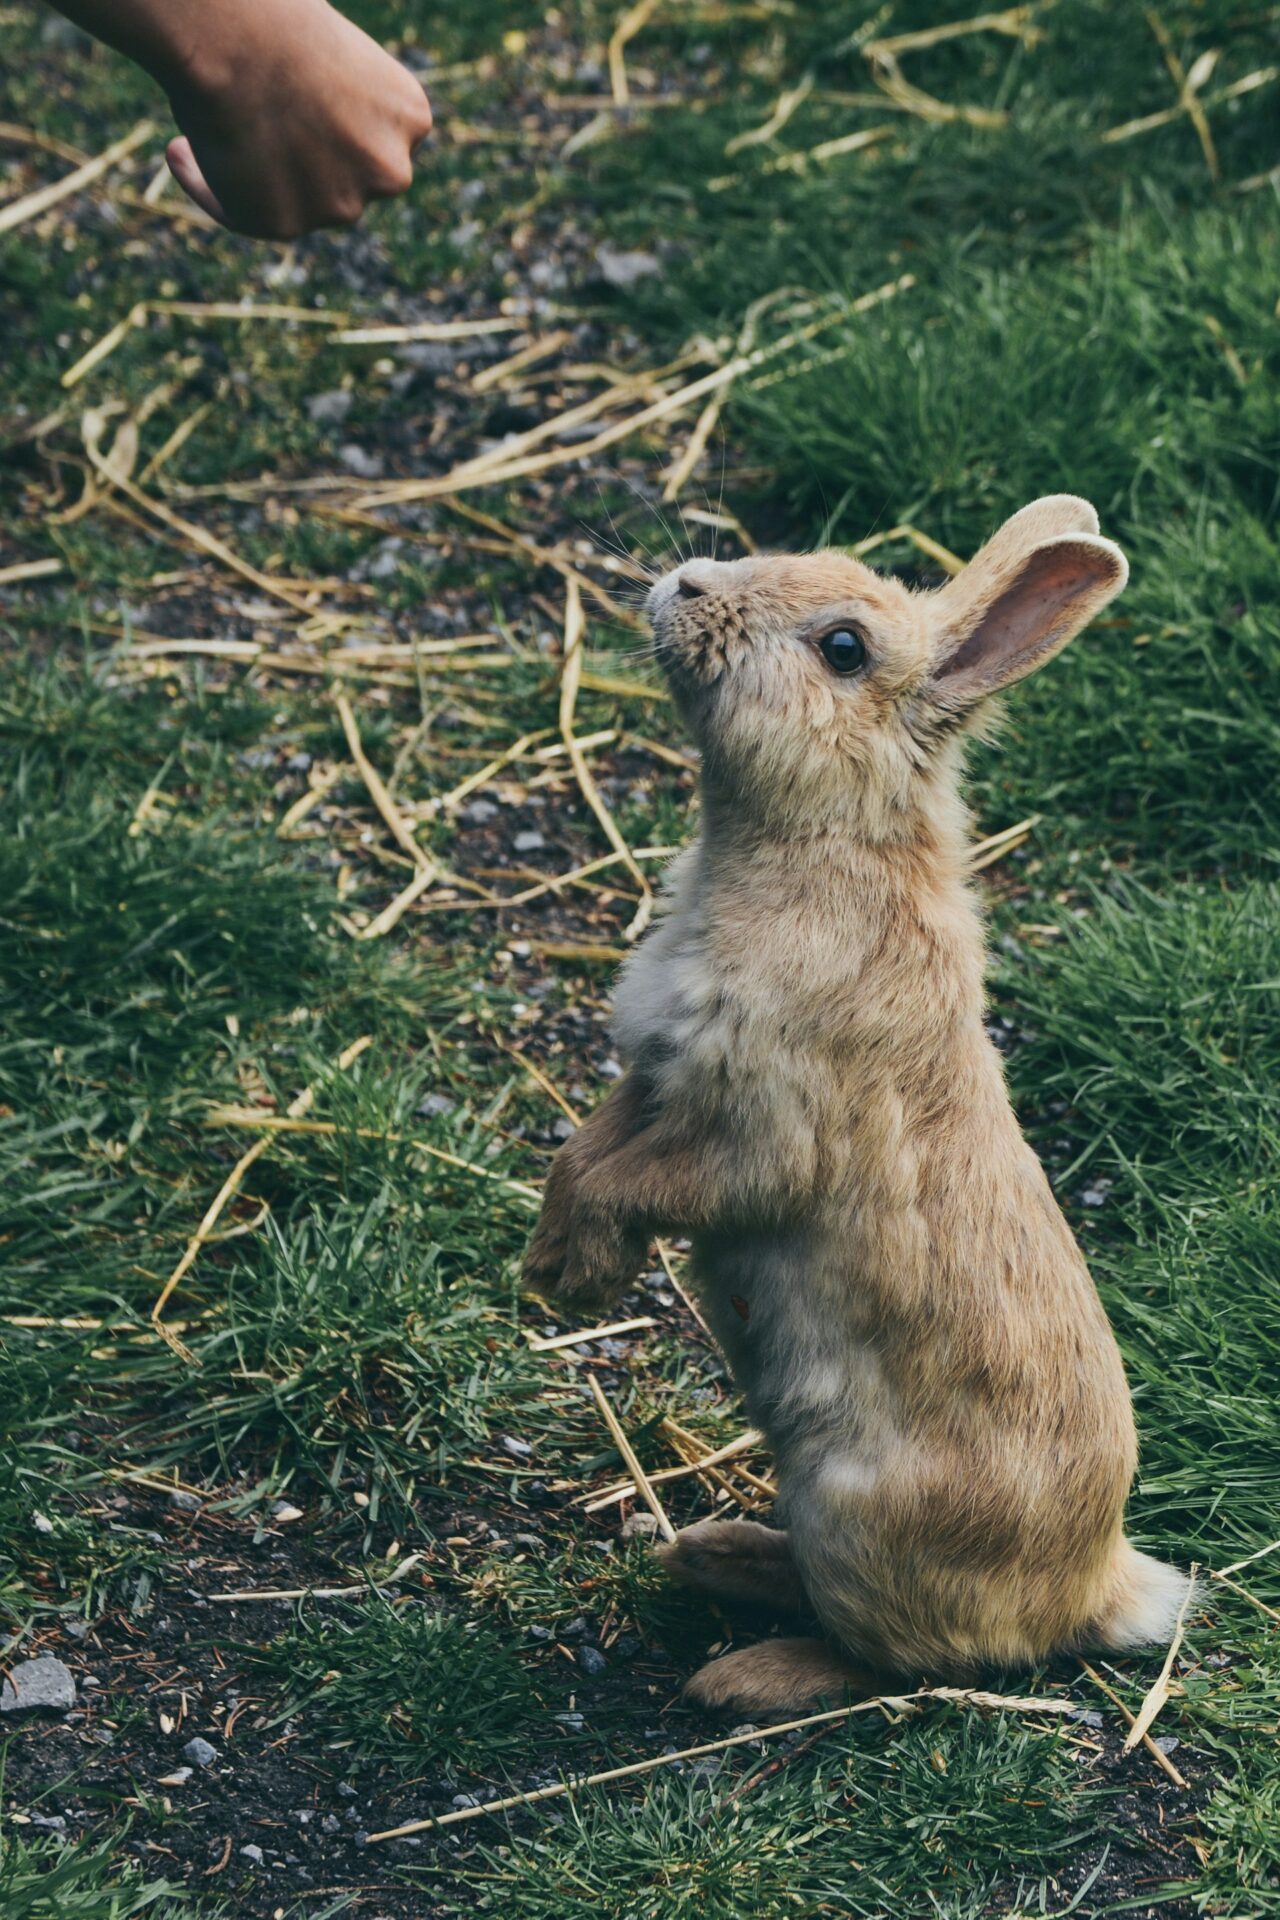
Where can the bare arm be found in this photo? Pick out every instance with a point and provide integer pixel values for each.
(291, 117)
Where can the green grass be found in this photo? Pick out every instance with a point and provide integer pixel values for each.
(49, 1880)
(1085, 315)
(930, 1822)
(404, 1689)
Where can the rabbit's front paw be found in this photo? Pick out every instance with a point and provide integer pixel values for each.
(545, 1257)
(602, 1261)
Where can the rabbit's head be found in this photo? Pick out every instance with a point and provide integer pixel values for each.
(819, 690)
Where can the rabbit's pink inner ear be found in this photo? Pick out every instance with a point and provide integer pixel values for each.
(1027, 615)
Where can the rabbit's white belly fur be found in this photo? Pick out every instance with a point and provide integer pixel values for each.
(811, 1383)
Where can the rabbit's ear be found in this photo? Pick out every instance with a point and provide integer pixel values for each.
(1024, 611)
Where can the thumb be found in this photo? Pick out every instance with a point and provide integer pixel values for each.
(185, 169)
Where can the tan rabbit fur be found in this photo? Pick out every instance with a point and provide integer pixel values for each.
(813, 1098)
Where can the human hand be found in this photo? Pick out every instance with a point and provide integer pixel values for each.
(291, 117)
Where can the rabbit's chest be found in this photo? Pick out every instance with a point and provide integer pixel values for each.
(670, 1008)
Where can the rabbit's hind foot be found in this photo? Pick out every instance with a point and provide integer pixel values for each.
(778, 1676)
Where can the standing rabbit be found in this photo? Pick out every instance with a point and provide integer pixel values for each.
(812, 1097)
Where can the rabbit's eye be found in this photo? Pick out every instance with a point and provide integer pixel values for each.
(844, 650)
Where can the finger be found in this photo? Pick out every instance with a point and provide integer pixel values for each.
(185, 169)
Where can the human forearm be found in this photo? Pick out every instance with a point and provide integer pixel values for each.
(293, 118)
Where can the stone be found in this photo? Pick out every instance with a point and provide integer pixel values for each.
(384, 562)
(530, 841)
(253, 1854)
(622, 268)
(592, 1662)
(358, 460)
(330, 409)
(518, 1449)
(43, 1685)
(479, 813)
(199, 1752)
(183, 1502)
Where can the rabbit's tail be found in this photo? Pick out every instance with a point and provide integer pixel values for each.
(779, 1676)
(1149, 1597)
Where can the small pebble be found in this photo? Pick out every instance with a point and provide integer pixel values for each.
(252, 1853)
(530, 841)
(183, 1502)
(357, 460)
(518, 1449)
(592, 1662)
(199, 1752)
(330, 409)
(619, 267)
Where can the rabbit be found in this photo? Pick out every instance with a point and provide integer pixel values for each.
(812, 1097)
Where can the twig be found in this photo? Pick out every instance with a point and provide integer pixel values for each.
(745, 1443)
(499, 468)
(1261, 77)
(1244, 1593)
(709, 418)
(956, 1696)
(698, 1455)
(548, 557)
(32, 205)
(296, 1109)
(30, 570)
(517, 363)
(664, 1255)
(1247, 1561)
(327, 1130)
(197, 536)
(539, 1078)
(949, 562)
(625, 1448)
(810, 156)
(1015, 21)
(626, 1488)
(570, 680)
(424, 330)
(318, 1593)
(758, 1778)
(395, 910)
(983, 852)
(1158, 1692)
(627, 28)
(586, 1334)
(314, 794)
(787, 102)
(401, 832)
(1187, 85)
(1162, 1760)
